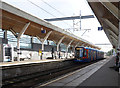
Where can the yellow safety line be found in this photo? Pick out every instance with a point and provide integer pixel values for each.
(62, 77)
(66, 75)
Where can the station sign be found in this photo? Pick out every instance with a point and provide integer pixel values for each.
(100, 28)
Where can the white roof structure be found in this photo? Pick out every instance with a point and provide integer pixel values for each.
(15, 19)
(107, 13)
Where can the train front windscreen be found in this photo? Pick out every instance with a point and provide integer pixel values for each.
(79, 52)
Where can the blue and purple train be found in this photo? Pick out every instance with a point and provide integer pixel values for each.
(85, 54)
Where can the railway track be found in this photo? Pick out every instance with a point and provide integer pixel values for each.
(32, 80)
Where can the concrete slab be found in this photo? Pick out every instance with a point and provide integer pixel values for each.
(17, 69)
(105, 76)
(56, 84)
(77, 77)
(29, 62)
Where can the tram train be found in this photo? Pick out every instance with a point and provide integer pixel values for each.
(85, 54)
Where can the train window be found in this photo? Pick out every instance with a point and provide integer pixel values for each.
(81, 52)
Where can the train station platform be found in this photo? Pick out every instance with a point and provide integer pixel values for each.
(105, 76)
(23, 68)
(100, 74)
(15, 63)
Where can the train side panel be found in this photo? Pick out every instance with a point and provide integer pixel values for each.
(83, 54)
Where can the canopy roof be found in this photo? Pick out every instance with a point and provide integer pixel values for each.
(107, 14)
(15, 19)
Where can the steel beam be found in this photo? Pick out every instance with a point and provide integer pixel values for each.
(47, 35)
(70, 18)
(112, 33)
(77, 44)
(111, 7)
(68, 47)
(108, 35)
(115, 42)
(13, 32)
(119, 33)
(44, 39)
(69, 43)
(59, 43)
(118, 46)
(112, 26)
(18, 39)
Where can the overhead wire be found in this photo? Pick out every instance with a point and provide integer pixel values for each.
(47, 11)
(53, 7)
(41, 8)
(57, 11)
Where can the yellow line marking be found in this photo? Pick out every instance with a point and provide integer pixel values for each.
(63, 76)
(60, 78)
(68, 75)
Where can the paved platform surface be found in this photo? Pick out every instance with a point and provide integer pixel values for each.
(30, 62)
(105, 76)
(97, 74)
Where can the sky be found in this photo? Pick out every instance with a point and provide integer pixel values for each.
(66, 8)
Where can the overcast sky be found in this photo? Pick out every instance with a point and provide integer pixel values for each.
(67, 8)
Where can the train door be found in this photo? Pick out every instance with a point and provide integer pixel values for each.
(91, 55)
(85, 53)
(94, 55)
(77, 52)
(81, 53)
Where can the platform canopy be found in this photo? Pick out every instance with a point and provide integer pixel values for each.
(107, 13)
(15, 19)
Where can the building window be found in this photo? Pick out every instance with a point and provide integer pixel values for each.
(25, 41)
(51, 43)
(63, 47)
(36, 40)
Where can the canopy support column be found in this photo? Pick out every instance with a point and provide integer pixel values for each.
(58, 44)
(75, 46)
(18, 39)
(43, 40)
(68, 48)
